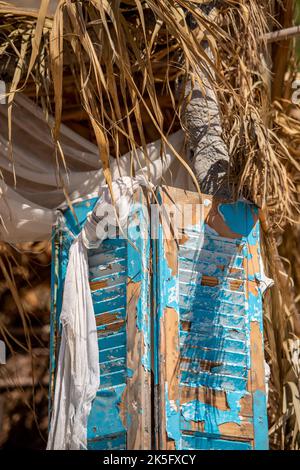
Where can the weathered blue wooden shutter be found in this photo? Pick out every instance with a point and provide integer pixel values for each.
(204, 318)
(119, 280)
(210, 388)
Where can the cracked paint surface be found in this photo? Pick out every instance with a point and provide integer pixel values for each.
(214, 285)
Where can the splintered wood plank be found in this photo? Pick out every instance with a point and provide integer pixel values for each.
(167, 318)
(138, 330)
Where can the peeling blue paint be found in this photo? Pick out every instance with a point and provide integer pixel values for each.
(260, 420)
(255, 308)
(103, 414)
(130, 372)
(112, 266)
(211, 295)
(203, 442)
(211, 416)
(138, 271)
(239, 217)
(173, 419)
(215, 309)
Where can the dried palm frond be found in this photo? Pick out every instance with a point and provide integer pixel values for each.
(123, 61)
(124, 58)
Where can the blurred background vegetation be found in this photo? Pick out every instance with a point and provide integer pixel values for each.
(297, 21)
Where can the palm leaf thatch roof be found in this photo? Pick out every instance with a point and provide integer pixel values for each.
(114, 71)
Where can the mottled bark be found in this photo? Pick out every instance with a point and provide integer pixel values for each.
(208, 153)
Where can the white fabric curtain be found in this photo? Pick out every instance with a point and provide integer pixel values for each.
(31, 186)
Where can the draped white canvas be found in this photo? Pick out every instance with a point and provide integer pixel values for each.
(35, 181)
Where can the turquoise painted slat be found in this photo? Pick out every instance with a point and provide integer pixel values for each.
(204, 443)
(209, 364)
(118, 275)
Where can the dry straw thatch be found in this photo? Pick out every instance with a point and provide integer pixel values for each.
(125, 61)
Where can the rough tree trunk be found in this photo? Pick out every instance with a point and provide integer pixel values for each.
(208, 153)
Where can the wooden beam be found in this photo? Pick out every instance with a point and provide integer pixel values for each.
(282, 34)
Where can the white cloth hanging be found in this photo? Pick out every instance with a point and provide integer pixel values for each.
(31, 186)
(77, 375)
